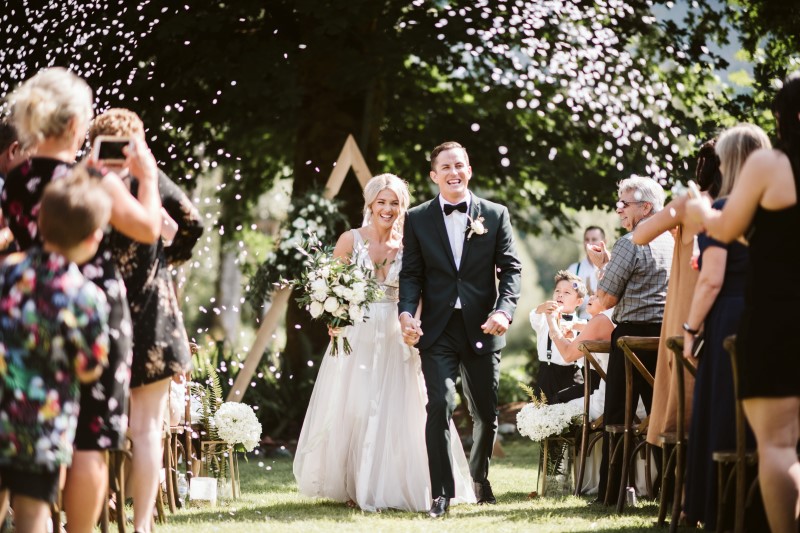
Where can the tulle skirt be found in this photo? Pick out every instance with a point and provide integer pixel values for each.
(363, 438)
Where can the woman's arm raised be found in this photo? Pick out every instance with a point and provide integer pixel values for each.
(599, 328)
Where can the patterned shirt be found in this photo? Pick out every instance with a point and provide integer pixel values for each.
(53, 334)
(638, 276)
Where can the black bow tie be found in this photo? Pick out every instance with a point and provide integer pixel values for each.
(449, 208)
(566, 317)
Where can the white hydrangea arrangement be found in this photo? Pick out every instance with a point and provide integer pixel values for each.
(237, 424)
(538, 420)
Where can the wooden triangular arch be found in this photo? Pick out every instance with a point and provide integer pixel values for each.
(349, 157)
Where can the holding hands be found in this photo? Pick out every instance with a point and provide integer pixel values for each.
(410, 327)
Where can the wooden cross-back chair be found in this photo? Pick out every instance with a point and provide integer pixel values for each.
(673, 444)
(591, 430)
(630, 431)
(735, 469)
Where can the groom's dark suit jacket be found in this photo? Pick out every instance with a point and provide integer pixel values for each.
(487, 280)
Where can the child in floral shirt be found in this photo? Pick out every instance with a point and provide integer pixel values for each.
(53, 335)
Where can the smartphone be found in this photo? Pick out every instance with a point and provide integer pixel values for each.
(694, 190)
(108, 149)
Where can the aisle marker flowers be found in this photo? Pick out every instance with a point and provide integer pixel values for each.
(237, 425)
(538, 420)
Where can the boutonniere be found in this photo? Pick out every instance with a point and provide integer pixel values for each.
(475, 226)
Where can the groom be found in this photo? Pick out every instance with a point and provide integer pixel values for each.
(455, 248)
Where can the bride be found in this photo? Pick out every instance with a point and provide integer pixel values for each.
(363, 438)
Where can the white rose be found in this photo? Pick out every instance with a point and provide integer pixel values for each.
(346, 278)
(316, 309)
(331, 305)
(340, 291)
(319, 296)
(319, 285)
(358, 293)
(357, 313)
(477, 227)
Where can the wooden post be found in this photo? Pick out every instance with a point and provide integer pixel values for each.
(349, 157)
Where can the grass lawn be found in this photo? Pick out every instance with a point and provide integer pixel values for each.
(270, 502)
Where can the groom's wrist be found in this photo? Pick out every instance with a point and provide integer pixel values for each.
(505, 313)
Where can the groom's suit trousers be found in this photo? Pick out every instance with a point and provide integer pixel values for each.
(450, 354)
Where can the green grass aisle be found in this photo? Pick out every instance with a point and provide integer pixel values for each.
(270, 502)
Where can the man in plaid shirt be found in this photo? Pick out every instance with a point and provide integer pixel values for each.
(634, 281)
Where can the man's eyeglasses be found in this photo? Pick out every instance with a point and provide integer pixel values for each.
(622, 204)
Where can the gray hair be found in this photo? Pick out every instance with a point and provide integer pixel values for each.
(380, 183)
(644, 190)
(44, 105)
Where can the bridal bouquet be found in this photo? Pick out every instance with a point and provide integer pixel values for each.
(335, 292)
(538, 420)
(236, 424)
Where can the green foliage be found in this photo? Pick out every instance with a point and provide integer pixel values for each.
(508, 391)
(313, 214)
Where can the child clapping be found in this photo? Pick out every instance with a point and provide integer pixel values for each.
(557, 377)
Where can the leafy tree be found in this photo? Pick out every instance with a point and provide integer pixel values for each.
(770, 36)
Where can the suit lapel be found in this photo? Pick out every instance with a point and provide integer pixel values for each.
(435, 212)
(474, 213)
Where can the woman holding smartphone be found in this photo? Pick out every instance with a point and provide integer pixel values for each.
(51, 112)
(160, 344)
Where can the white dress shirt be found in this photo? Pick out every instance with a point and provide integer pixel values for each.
(456, 224)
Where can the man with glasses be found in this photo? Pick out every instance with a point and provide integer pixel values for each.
(634, 280)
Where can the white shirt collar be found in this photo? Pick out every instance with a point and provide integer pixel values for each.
(467, 198)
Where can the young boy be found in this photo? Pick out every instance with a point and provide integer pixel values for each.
(53, 335)
(556, 378)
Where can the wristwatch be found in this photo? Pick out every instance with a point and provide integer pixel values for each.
(688, 329)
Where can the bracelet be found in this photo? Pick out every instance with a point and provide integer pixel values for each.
(688, 329)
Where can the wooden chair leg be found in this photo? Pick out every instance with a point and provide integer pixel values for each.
(543, 466)
(582, 456)
(666, 479)
(677, 496)
(168, 479)
(721, 482)
(614, 450)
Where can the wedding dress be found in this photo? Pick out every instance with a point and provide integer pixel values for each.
(363, 438)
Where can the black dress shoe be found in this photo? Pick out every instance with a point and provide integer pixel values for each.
(483, 491)
(439, 507)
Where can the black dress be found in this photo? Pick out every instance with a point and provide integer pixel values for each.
(768, 356)
(160, 344)
(103, 417)
(713, 426)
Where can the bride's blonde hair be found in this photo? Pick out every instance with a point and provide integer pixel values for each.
(380, 183)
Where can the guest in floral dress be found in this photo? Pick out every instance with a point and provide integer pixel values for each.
(160, 344)
(53, 335)
(51, 113)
